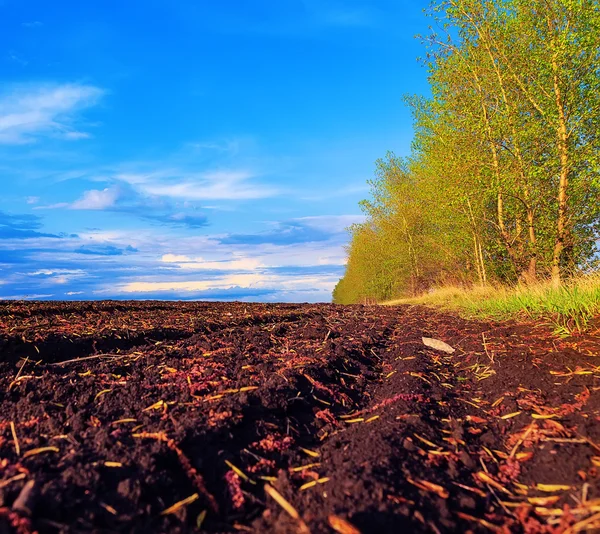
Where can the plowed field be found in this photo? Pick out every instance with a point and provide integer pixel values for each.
(232, 417)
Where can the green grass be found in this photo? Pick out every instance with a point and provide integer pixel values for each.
(569, 308)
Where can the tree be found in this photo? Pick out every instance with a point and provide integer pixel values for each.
(503, 180)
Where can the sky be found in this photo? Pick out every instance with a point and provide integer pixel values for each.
(195, 149)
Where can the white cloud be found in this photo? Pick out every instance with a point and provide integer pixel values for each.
(186, 266)
(59, 276)
(175, 258)
(28, 112)
(286, 283)
(226, 282)
(238, 264)
(217, 185)
(270, 255)
(96, 199)
(340, 259)
(49, 272)
(74, 135)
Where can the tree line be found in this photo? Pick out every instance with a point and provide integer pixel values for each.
(503, 181)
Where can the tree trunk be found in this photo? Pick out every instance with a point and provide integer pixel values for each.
(483, 271)
(532, 267)
(531, 274)
(479, 262)
(563, 183)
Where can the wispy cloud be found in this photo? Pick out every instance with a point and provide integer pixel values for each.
(225, 282)
(32, 24)
(270, 285)
(28, 112)
(17, 58)
(189, 185)
(236, 264)
(74, 135)
(58, 276)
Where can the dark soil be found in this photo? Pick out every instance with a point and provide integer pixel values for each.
(173, 417)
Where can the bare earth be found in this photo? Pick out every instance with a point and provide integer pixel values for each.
(231, 417)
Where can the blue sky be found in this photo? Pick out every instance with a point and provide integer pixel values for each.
(193, 149)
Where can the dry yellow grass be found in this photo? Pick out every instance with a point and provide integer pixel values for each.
(569, 307)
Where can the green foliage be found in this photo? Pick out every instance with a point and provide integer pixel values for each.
(503, 182)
